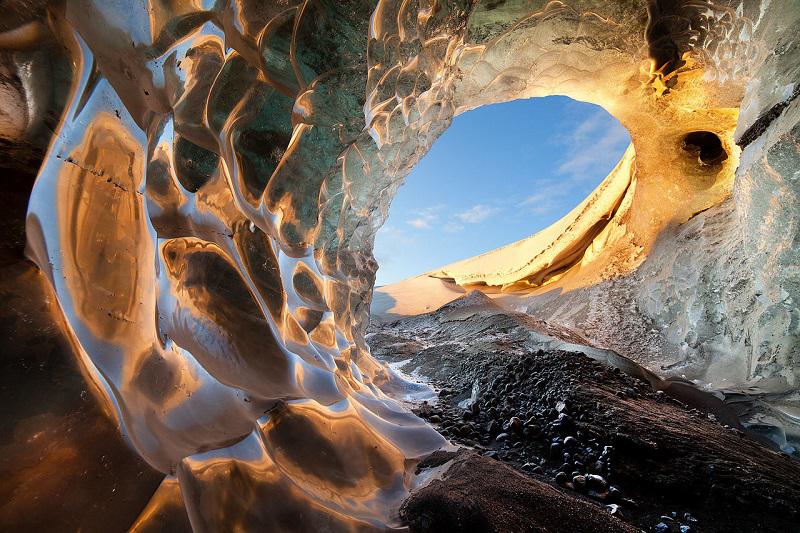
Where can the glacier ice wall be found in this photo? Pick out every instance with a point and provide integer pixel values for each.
(207, 205)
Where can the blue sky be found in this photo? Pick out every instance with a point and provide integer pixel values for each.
(499, 174)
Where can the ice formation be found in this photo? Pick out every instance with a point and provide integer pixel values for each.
(207, 205)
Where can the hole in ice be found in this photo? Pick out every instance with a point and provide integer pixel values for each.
(706, 146)
(500, 173)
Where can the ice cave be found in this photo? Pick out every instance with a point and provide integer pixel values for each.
(191, 338)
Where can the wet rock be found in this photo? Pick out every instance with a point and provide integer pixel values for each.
(565, 422)
(555, 450)
(596, 482)
(530, 432)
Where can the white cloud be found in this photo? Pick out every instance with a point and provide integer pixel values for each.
(593, 147)
(426, 217)
(546, 191)
(420, 223)
(476, 213)
(589, 127)
(453, 227)
(395, 233)
(590, 150)
(549, 199)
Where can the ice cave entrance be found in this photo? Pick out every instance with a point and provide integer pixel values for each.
(498, 174)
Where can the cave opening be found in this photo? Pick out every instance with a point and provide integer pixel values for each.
(499, 174)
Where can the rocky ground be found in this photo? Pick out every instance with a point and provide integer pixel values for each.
(598, 435)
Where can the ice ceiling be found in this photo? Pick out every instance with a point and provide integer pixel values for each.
(206, 210)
